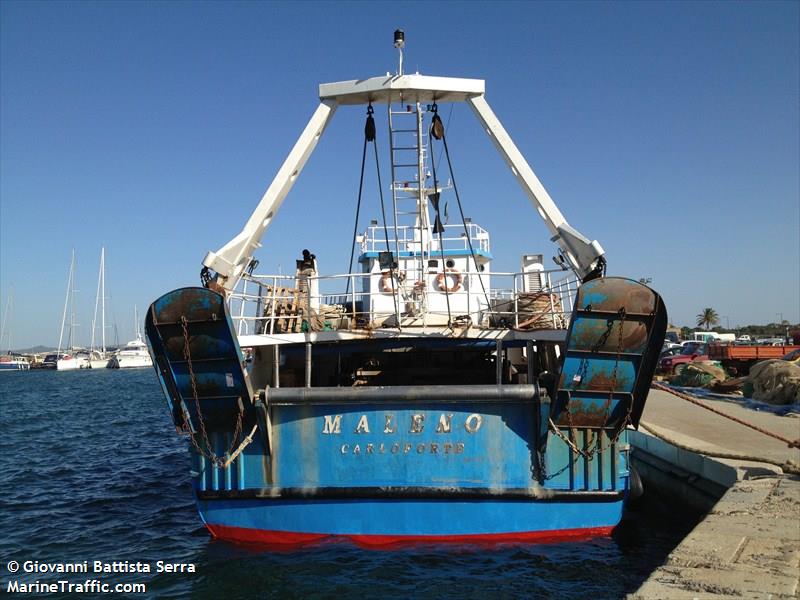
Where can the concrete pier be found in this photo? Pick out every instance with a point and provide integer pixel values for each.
(748, 545)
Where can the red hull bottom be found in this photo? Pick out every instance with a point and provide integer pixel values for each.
(287, 540)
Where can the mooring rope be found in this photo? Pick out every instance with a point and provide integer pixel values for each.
(688, 398)
(789, 466)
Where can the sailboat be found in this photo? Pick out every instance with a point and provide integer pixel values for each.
(10, 361)
(70, 357)
(134, 354)
(100, 357)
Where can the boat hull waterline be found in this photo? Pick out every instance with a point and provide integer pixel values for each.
(14, 365)
(309, 522)
(405, 464)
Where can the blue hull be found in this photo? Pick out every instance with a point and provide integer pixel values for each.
(8, 366)
(400, 522)
(382, 465)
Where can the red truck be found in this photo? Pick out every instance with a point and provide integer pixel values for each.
(737, 359)
(691, 351)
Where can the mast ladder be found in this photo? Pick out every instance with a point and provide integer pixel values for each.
(408, 148)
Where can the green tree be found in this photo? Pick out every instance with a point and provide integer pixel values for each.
(707, 318)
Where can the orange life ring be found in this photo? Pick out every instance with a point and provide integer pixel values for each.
(386, 281)
(441, 280)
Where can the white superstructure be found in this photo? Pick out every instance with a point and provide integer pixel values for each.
(416, 274)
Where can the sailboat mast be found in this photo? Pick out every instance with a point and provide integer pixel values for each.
(66, 301)
(72, 323)
(96, 304)
(3, 332)
(103, 296)
(99, 301)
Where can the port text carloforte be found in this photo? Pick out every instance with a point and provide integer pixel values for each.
(415, 424)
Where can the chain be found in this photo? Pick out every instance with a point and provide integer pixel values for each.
(624, 424)
(217, 461)
(597, 444)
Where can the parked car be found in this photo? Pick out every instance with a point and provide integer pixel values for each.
(691, 351)
(775, 341)
(671, 351)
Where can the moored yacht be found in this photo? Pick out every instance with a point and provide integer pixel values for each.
(14, 362)
(134, 354)
(75, 358)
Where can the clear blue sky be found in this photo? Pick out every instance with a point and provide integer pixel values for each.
(667, 131)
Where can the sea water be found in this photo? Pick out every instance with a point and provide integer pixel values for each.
(93, 474)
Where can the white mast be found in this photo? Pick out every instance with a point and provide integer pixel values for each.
(103, 297)
(400, 43)
(100, 299)
(72, 323)
(3, 331)
(66, 302)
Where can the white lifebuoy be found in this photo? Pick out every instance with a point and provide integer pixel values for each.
(441, 280)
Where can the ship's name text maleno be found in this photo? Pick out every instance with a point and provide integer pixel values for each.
(414, 425)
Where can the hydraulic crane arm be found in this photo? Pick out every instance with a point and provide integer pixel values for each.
(583, 256)
(577, 252)
(230, 261)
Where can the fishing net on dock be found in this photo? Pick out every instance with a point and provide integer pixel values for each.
(700, 373)
(774, 381)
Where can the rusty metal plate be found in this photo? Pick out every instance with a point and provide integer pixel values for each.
(194, 303)
(599, 334)
(610, 293)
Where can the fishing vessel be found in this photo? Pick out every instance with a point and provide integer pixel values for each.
(421, 396)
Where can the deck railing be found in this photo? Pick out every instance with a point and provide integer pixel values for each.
(454, 237)
(282, 303)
